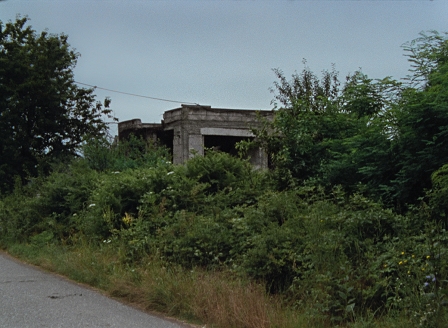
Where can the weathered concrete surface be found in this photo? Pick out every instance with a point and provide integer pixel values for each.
(190, 129)
(32, 298)
(192, 125)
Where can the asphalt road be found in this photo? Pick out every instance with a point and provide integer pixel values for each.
(33, 298)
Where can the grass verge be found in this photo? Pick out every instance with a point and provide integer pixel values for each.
(217, 299)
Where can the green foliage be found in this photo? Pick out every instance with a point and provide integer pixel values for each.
(44, 115)
(103, 155)
(438, 195)
(342, 256)
(49, 204)
(427, 55)
(218, 170)
(99, 154)
(333, 136)
(383, 138)
(117, 193)
(422, 120)
(296, 138)
(306, 89)
(186, 213)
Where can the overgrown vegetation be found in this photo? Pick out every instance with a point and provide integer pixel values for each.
(334, 257)
(348, 228)
(383, 138)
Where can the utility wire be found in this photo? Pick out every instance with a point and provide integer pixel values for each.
(135, 95)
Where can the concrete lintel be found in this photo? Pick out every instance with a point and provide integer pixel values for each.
(227, 132)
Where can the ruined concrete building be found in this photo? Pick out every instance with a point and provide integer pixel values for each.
(191, 129)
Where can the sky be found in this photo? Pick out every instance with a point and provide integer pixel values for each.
(221, 53)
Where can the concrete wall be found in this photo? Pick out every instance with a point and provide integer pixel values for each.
(149, 131)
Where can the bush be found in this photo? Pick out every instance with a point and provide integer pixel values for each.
(118, 194)
(438, 196)
(103, 155)
(48, 203)
(340, 256)
(220, 171)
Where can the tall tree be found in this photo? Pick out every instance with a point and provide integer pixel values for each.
(361, 157)
(383, 137)
(44, 115)
(328, 133)
(305, 119)
(422, 117)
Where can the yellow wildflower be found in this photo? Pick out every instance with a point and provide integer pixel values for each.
(127, 219)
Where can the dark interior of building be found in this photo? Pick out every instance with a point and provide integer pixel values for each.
(223, 143)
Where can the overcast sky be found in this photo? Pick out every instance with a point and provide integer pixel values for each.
(221, 53)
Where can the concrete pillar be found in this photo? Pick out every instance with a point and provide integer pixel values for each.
(258, 158)
(195, 145)
(177, 147)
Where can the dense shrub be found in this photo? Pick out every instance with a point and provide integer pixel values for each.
(102, 154)
(438, 196)
(341, 256)
(49, 203)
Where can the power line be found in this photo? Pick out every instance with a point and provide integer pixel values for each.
(136, 95)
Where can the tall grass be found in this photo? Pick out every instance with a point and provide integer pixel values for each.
(218, 299)
(213, 298)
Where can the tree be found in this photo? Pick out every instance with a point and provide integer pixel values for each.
(44, 115)
(296, 139)
(383, 137)
(330, 134)
(422, 117)
(362, 158)
(404, 138)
